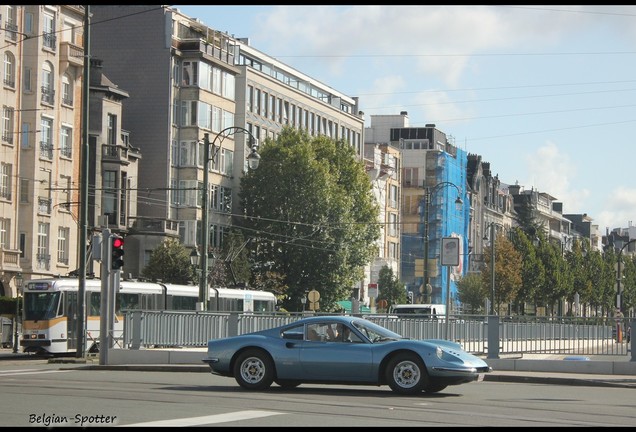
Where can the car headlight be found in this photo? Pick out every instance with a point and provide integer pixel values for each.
(439, 352)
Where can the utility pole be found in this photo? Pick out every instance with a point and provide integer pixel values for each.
(83, 233)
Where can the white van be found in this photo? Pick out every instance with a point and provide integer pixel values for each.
(435, 311)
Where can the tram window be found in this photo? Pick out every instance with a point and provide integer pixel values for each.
(128, 302)
(95, 303)
(183, 303)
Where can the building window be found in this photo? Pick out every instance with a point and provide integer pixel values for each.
(66, 144)
(109, 188)
(26, 138)
(26, 79)
(188, 154)
(43, 258)
(24, 190)
(216, 80)
(62, 245)
(65, 181)
(48, 37)
(48, 84)
(67, 90)
(11, 26)
(7, 124)
(5, 229)
(111, 134)
(5, 180)
(9, 70)
(393, 230)
(28, 23)
(46, 141)
(189, 75)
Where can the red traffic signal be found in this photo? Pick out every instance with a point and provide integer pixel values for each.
(117, 252)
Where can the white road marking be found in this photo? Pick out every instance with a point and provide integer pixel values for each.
(211, 419)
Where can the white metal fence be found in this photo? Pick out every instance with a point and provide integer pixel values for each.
(481, 335)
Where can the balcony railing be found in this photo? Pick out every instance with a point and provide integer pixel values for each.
(11, 31)
(43, 261)
(46, 149)
(48, 95)
(44, 205)
(49, 40)
(66, 151)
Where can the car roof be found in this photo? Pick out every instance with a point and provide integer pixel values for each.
(331, 318)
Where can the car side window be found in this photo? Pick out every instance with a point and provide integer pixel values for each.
(313, 333)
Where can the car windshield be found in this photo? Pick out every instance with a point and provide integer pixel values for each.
(374, 332)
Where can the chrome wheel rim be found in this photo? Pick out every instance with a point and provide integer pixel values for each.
(252, 370)
(406, 374)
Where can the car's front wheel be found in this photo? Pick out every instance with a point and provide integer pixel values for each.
(406, 374)
(254, 370)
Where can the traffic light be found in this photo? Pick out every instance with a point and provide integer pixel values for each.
(409, 297)
(116, 252)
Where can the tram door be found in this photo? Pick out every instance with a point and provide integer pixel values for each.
(70, 308)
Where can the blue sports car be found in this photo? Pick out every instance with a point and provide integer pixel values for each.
(342, 350)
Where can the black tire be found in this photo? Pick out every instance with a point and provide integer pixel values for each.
(254, 370)
(434, 388)
(288, 383)
(406, 374)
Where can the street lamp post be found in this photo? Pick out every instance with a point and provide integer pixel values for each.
(618, 276)
(253, 161)
(18, 287)
(428, 192)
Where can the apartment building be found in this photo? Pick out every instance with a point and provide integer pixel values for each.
(187, 80)
(383, 165)
(42, 146)
(434, 176)
(113, 161)
(39, 162)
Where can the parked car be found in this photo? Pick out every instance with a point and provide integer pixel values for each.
(342, 350)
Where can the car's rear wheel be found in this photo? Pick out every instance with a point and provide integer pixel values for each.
(287, 383)
(406, 374)
(254, 370)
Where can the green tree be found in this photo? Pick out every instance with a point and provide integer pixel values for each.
(390, 288)
(532, 271)
(234, 255)
(170, 262)
(310, 207)
(472, 292)
(508, 266)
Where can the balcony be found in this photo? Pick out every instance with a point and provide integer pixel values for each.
(71, 55)
(115, 153)
(201, 46)
(144, 225)
(10, 260)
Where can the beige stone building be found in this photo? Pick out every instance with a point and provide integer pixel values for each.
(187, 80)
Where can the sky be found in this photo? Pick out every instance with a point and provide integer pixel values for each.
(545, 94)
